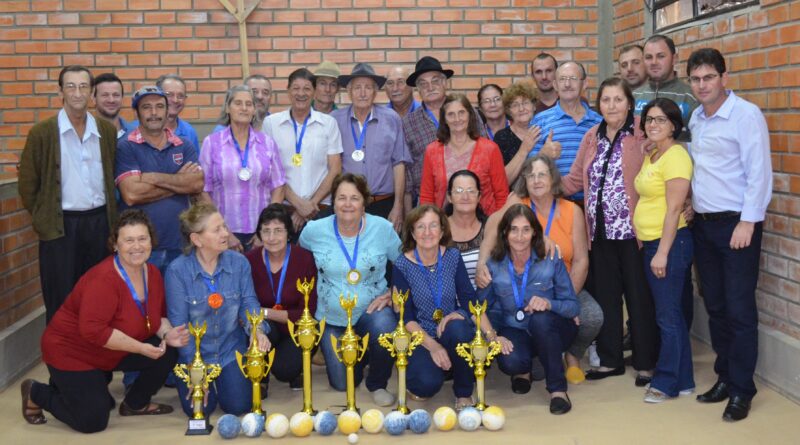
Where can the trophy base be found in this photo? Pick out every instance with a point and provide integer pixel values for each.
(199, 427)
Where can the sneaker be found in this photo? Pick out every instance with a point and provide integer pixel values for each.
(655, 396)
(382, 397)
(686, 392)
(594, 359)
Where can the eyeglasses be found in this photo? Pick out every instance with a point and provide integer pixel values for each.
(568, 79)
(434, 83)
(72, 87)
(660, 120)
(492, 100)
(522, 105)
(694, 80)
(462, 190)
(269, 232)
(433, 227)
(535, 176)
(179, 96)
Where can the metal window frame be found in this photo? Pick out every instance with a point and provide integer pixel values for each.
(696, 14)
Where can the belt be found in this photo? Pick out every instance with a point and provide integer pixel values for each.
(717, 215)
(379, 198)
(94, 211)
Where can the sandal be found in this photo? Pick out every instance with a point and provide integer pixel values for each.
(461, 405)
(34, 416)
(125, 410)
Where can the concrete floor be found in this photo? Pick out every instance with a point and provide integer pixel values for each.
(610, 411)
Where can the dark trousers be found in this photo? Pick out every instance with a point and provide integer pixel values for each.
(381, 208)
(618, 271)
(288, 362)
(64, 260)
(728, 280)
(81, 398)
(425, 379)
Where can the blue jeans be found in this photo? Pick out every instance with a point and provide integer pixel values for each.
(378, 358)
(548, 335)
(231, 390)
(425, 379)
(674, 371)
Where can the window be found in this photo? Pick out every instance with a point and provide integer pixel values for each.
(667, 13)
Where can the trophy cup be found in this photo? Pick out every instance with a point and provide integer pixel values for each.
(254, 367)
(478, 353)
(306, 337)
(350, 352)
(401, 344)
(197, 375)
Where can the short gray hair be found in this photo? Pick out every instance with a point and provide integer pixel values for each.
(224, 117)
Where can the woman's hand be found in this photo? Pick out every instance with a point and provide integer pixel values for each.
(483, 278)
(177, 337)
(659, 265)
(538, 304)
(530, 139)
(380, 302)
(506, 347)
(577, 320)
(263, 342)
(439, 354)
(551, 249)
(442, 324)
(152, 352)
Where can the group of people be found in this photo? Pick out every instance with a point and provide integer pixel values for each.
(551, 209)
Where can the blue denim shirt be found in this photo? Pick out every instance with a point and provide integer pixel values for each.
(187, 301)
(547, 278)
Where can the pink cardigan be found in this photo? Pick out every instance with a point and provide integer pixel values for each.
(486, 162)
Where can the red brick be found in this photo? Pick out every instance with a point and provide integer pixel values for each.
(112, 32)
(81, 32)
(95, 46)
(126, 18)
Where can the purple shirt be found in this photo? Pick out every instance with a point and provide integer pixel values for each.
(384, 147)
(240, 202)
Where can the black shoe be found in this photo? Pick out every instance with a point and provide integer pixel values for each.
(297, 383)
(594, 374)
(737, 409)
(716, 394)
(537, 370)
(560, 405)
(642, 380)
(626, 341)
(520, 385)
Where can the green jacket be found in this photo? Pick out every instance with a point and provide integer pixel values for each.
(39, 180)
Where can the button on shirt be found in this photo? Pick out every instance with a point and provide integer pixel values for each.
(82, 185)
(732, 165)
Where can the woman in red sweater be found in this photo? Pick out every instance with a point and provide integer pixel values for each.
(460, 147)
(112, 320)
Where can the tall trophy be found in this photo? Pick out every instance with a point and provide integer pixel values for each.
(350, 352)
(400, 343)
(198, 376)
(306, 337)
(254, 367)
(479, 353)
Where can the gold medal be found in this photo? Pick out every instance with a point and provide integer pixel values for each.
(353, 277)
(147, 323)
(438, 315)
(297, 159)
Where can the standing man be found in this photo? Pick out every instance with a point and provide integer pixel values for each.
(374, 144)
(631, 66)
(731, 189)
(66, 182)
(158, 171)
(327, 74)
(108, 94)
(400, 94)
(175, 88)
(543, 70)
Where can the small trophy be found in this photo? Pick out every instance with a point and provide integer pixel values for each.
(351, 352)
(197, 375)
(306, 337)
(254, 367)
(400, 343)
(478, 353)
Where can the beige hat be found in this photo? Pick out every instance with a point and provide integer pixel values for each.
(327, 69)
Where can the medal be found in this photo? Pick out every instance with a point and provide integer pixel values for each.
(297, 159)
(142, 307)
(437, 316)
(436, 293)
(245, 174)
(358, 140)
(520, 315)
(358, 155)
(215, 299)
(277, 296)
(519, 293)
(147, 323)
(353, 275)
(277, 307)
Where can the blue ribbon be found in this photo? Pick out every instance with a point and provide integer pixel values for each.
(299, 141)
(489, 130)
(430, 115)
(350, 261)
(549, 218)
(134, 295)
(437, 294)
(242, 156)
(283, 273)
(519, 293)
(359, 141)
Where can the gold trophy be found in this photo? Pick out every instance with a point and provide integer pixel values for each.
(351, 352)
(401, 344)
(198, 375)
(254, 367)
(306, 338)
(478, 353)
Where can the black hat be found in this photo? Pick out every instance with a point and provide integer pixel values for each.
(361, 70)
(424, 65)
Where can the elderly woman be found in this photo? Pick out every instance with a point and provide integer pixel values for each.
(663, 185)
(351, 249)
(112, 320)
(490, 106)
(243, 169)
(458, 147)
(538, 312)
(212, 284)
(465, 217)
(276, 267)
(437, 307)
(517, 140)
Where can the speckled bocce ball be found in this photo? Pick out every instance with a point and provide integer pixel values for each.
(395, 423)
(352, 439)
(372, 421)
(445, 418)
(493, 418)
(419, 421)
(469, 419)
(325, 423)
(301, 424)
(228, 426)
(277, 425)
(349, 422)
(252, 424)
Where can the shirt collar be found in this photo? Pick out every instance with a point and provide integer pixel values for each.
(371, 114)
(724, 110)
(315, 116)
(255, 136)
(65, 125)
(136, 137)
(223, 265)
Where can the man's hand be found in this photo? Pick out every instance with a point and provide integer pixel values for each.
(551, 148)
(742, 235)
(396, 218)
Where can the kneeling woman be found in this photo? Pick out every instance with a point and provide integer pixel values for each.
(440, 295)
(212, 284)
(537, 301)
(112, 320)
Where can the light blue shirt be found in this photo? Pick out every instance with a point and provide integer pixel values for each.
(82, 186)
(378, 243)
(732, 165)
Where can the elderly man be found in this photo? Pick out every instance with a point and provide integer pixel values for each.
(158, 171)
(66, 182)
(108, 94)
(543, 70)
(631, 66)
(327, 74)
(400, 94)
(373, 143)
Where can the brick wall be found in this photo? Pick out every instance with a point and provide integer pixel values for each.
(762, 49)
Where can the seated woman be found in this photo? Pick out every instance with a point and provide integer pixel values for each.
(538, 312)
(465, 217)
(112, 320)
(212, 284)
(276, 267)
(437, 306)
(351, 249)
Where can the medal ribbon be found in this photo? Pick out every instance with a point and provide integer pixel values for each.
(134, 295)
(354, 260)
(430, 115)
(299, 140)
(283, 273)
(242, 156)
(359, 141)
(437, 294)
(519, 293)
(549, 218)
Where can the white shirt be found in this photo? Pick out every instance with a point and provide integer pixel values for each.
(321, 139)
(732, 165)
(82, 186)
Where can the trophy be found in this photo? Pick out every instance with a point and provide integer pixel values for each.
(197, 375)
(306, 337)
(254, 367)
(478, 353)
(350, 352)
(401, 344)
